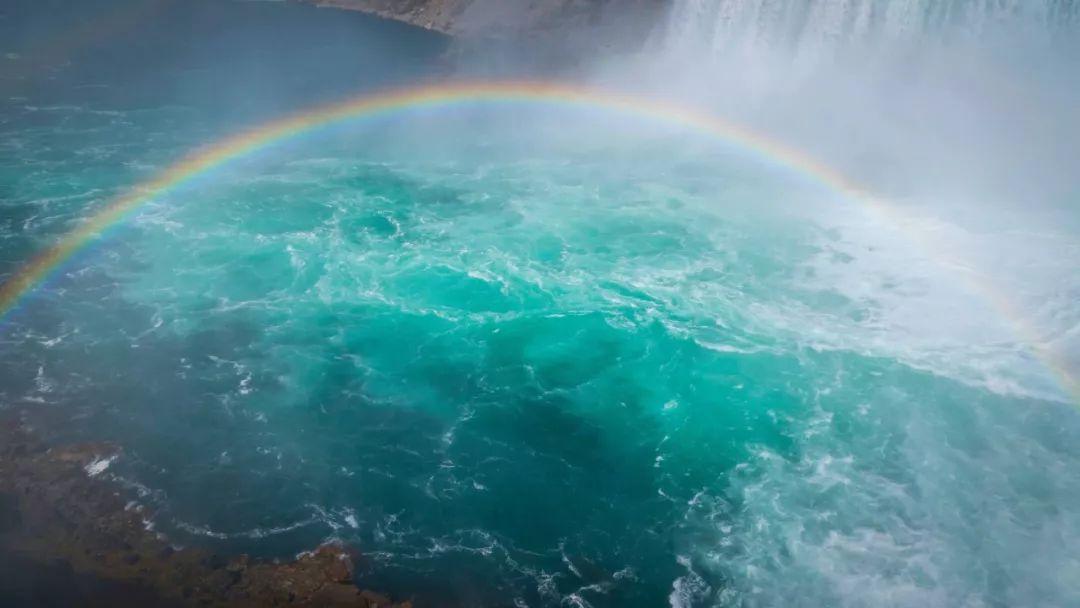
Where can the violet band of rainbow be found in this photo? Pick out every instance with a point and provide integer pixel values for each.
(400, 100)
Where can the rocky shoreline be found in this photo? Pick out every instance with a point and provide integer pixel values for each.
(569, 30)
(70, 536)
(439, 16)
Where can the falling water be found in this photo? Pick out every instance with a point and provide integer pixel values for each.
(819, 27)
(546, 355)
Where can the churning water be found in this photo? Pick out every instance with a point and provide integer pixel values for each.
(531, 356)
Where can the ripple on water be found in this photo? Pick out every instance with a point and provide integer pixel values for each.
(553, 377)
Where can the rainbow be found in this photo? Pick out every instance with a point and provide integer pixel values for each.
(203, 160)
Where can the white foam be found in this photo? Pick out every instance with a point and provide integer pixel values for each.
(687, 590)
(99, 465)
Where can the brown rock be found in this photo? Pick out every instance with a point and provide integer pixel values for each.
(56, 510)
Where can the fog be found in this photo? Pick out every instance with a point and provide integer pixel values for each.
(558, 350)
(962, 117)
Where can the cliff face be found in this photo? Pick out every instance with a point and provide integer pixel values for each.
(621, 21)
(438, 15)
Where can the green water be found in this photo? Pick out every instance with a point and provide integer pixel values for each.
(519, 365)
(530, 356)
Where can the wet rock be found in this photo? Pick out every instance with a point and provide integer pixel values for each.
(9, 514)
(214, 562)
(437, 15)
(375, 600)
(560, 30)
(58, 507)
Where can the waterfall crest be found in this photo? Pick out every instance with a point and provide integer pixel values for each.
(819, 27)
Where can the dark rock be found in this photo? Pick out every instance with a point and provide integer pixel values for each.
(54, 511)
(214, 562)
(563, 31)
(10, 519)
(375, 600)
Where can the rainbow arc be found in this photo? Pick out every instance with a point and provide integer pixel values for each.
(232, 148)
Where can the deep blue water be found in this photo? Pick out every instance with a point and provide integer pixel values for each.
(517, 356)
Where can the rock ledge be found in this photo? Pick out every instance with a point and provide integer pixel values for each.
(57, 507)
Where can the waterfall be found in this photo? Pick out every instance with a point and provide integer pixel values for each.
(816, 27)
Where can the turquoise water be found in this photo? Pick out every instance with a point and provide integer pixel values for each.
(534, 367)
(525, 356)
